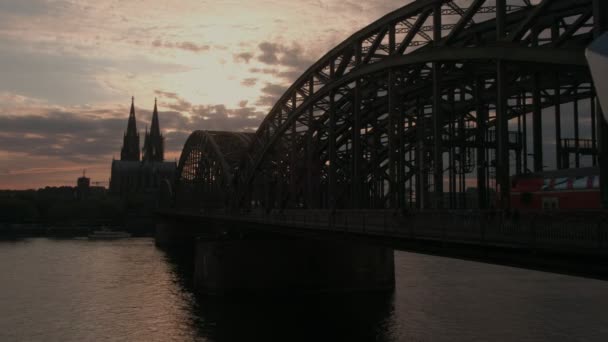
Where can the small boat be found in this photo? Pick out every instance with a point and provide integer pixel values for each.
(105, 233)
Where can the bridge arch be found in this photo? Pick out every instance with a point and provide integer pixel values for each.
(205, 172)
(438, 95)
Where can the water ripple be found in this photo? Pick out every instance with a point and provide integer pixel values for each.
(128, 290)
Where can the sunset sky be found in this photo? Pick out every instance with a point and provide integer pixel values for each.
(68, 70)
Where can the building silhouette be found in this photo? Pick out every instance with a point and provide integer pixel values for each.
(83, 187)
(132, 176)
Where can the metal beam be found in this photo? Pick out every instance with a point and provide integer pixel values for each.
(572, 58)
(393, 148)
(502, 135)
(421, 172)
(481, 113)
(463, 22)
(577, 156)
(558, 128)
(537, 125)
(600, 18)
(412, 32)
(310, 203)
(502, 118)
(525, 25)
(332, 182)
(437, 117)
(356, 148)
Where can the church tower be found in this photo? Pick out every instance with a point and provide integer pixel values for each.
(153, 150)
(130, 145)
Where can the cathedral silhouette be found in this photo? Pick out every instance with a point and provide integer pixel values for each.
(132, 175)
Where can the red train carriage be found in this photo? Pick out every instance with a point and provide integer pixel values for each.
(553, 190)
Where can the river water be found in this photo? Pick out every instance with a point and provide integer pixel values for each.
(128, 290)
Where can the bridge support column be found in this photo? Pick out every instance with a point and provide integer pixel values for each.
(284, 265)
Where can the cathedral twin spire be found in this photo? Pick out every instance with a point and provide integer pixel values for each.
(153, 150)
(130, 144)
(154, 141)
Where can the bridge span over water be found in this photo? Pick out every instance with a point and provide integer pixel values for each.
(411, 130)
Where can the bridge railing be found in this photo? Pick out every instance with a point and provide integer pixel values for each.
(567, 231)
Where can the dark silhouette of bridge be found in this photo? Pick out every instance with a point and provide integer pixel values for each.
(411, 129)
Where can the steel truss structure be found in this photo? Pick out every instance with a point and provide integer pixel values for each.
(432, 103)
(206, 168)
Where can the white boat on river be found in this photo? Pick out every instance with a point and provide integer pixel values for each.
(105, 233)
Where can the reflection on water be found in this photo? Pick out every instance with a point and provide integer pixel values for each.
(352, 317)
(128, 290)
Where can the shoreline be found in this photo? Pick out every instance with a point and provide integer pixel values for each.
(25, 230)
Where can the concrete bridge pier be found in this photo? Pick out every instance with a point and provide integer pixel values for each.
(283, 265)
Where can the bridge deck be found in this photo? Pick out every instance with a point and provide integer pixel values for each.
(578, 233)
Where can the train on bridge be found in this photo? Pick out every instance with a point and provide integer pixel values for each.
(557, 190)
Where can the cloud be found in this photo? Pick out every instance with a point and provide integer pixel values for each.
(291, 75)
(249, 82)
(266, 71)
(221, 118)
(277, 54)
(166, 94)
(294, 56)
(77, 134)
(68, 78)
(38, 171)
(29, 172)
(180, 105)
(173, 101)
(270, 52)
(61, 134)
(271, 94)
(83, 135)
(88, 135)
(28, 8)
(174, 140)
(188, 46)
(287, 62)
(274, 89)
(64, 78)
(243, 57)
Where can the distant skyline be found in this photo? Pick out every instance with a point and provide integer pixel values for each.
(68, 70)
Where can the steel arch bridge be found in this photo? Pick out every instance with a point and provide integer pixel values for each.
(206, 167)
(432, 103)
